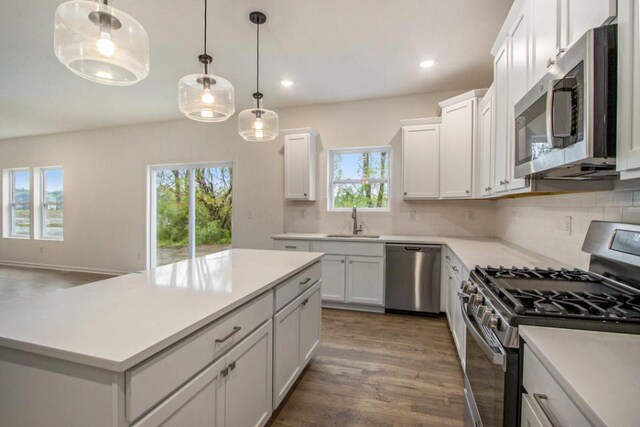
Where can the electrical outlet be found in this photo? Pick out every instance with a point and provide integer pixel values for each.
(301, 213)
(412, 215)
(568, 224)
(249, 215)
(139, 255)
(471, 214)
(41, 249)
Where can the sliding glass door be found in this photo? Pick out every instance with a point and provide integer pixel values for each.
(191, 211)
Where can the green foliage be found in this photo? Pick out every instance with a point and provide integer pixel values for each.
(371, 169)
(213, 207)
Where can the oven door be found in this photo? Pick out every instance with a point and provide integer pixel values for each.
(491, 377)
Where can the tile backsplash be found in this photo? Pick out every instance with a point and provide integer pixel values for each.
(556, 225)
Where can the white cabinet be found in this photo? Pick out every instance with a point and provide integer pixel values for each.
(365, 277)
(486, 144)
(421, 161)
(300, 163)
(456, 153)
(529, 416)
(501, 120)
(235, 390)
(293, 348)
(628, 161)
(519, 57)
(291, 245)
(334, 270)
(248, 383)
(453, 272)
(582, 15)
(545, 36)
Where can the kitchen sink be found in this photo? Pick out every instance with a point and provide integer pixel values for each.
(365, 236)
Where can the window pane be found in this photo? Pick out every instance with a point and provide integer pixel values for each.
(172, 220)
(366, 165)
(21, 198)
(361, 195)
(53, 213)
(213, 210)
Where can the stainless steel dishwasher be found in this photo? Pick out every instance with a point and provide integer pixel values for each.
(412, 279)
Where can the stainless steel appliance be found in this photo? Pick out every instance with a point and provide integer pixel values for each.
(412, 278)
(565, 126)
(495, 301)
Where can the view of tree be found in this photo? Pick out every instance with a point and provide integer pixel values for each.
(213, 207)
(361, 179)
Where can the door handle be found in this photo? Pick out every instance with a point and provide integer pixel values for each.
(305, 281)
(412, 248)
(236, 329)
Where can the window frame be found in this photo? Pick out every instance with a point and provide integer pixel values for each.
(43, 205)
(331, 182)
(151, 256)
(9, 202)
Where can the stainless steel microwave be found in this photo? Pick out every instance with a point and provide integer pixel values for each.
(565, 126)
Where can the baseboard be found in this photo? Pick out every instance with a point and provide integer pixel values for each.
(353, 307)
(64, 268)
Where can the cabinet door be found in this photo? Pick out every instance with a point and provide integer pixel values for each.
(296, 166)
(200, 402)
(310, 326)
(456, 154)
(628, 161)
(586, 14)
(502, 99)
(365, 280)
(519, 59)
(459, 328)
(248, 388)
(333, 278)
(286, 365)
(486, 145)
(545, 36)
(529, 416)
(451, 300)
(421, 161)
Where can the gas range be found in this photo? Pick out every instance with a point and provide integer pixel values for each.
(599, 299)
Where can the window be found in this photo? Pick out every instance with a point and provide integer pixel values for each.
(359, 178)
(51, 221)
(191, 211)
(17, 192)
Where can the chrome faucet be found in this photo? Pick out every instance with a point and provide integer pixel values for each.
(356, 229)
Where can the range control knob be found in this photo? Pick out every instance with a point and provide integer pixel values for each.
(490, 320)
(482, 310)
(475, 300)
(468, 288)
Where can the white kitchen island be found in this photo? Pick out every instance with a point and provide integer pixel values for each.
(199, 342)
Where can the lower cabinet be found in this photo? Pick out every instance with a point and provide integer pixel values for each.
(297, 329)
(353, 279)
(454, 313)
(233, 391)
(334, 274)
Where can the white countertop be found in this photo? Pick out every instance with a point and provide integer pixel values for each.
(471, 251)
(116, 323)
(599, 371)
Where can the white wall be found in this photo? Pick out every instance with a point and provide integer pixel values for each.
(556, 225)
(106, 181)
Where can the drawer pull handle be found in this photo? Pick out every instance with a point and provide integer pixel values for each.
(305, 302)
(541, 399)
(448, 257)
(225, 371)
(305, 281)
(236, 329)
(454, 268)
(290, 247)
(232, 366)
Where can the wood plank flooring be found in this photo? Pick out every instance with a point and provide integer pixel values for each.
(378, 370)
(16, 282)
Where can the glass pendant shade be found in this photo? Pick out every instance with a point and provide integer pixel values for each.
(101, 43)
(206, 98)
(258, 124)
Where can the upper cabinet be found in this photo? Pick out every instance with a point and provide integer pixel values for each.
(486, 144)
(458, 136)
(582, 15)
(628, 162)
(421, 159)
(544, 25)
(300, 164)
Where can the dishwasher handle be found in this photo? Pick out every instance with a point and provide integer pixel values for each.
(413, 248)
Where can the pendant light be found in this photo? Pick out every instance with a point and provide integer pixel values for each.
(258, 124)
(205, 97)
(101, 43)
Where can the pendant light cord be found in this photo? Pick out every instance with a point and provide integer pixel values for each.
(205, 27)
(258, 61)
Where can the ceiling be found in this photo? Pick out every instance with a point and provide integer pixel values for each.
(333, 50)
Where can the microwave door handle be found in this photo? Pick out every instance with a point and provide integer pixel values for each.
(496, 358)
(549, 111)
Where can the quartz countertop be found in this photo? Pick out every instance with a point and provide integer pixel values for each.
(116, 323)
(471, 251)
(599, 371)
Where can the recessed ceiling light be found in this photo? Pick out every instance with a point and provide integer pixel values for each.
(428, 63)
(286, 83)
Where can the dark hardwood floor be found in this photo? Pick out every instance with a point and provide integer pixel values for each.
(16, 282)
(378, 370)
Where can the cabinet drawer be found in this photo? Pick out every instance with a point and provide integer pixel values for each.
(293, 287)
(546, 394)
(153, 380)
(349, 248)
(291, 245)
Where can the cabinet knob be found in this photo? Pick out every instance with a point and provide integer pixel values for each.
(489, 188)
(466, 191)
(342, 261)
(550, 62)
(559, 51)
(350, 262)
(305, 194)
(506, 181)
(405, 193)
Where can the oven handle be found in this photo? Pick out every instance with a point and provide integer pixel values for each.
(496, 358)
